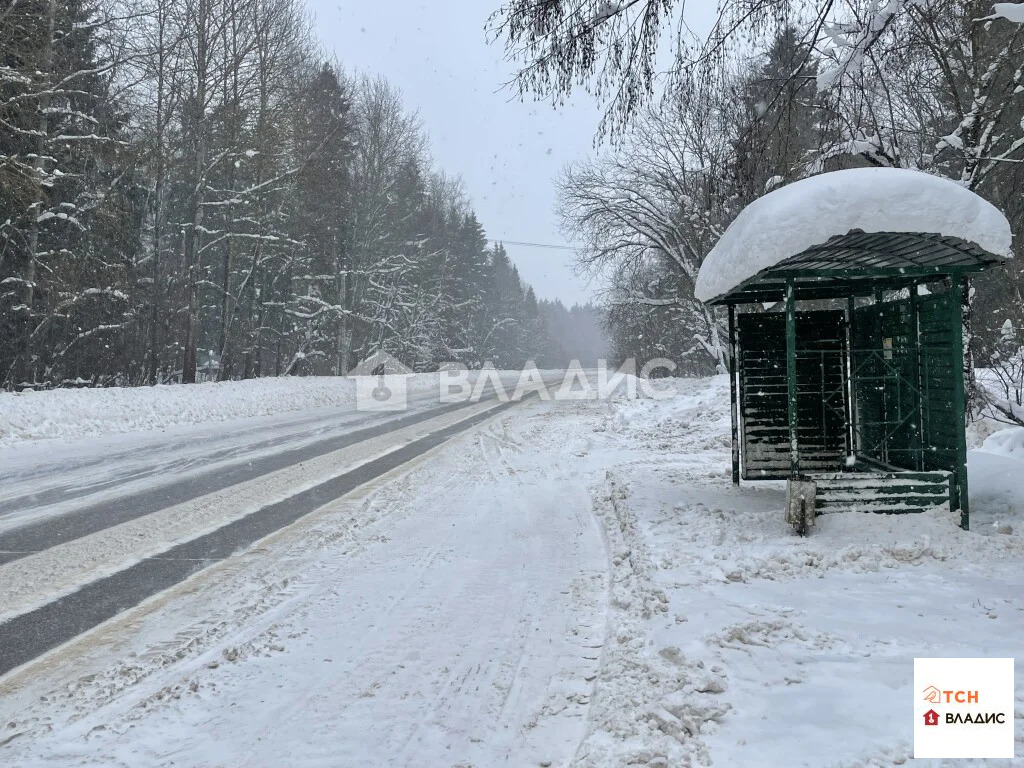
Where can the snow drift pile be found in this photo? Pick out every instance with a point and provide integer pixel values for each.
(74, 413)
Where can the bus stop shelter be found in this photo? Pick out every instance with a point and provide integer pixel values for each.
(844, 294)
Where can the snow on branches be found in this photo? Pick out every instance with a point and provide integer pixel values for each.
(1010, 11)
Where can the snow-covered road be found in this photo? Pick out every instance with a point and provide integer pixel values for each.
(424, 620)
(111, 520)
(473, 617)
(47, 478)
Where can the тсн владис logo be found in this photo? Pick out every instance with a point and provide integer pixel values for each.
(963, 708)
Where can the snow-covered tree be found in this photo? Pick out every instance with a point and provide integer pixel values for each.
(187, 191)
(1004, 398)
(68, 206)
(612, 47)
(650, 212)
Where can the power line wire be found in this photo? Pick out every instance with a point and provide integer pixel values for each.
(534, 245)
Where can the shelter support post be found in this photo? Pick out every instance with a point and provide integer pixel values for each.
(791, 386)
(848, 362)
(959, 499)
(914, 340)
(734, 383)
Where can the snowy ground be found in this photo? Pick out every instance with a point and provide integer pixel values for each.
(573, 583)
(76, 413)
(803, 647)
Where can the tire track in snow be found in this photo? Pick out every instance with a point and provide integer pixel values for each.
(648, 707)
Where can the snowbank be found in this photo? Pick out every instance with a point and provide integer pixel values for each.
(75, 413)
(793, 218)
(1006, 442)
(997, 482)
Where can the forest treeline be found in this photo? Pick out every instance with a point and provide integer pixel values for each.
(190, 189)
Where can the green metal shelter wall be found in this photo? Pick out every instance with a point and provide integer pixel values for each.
(903, 372)
(885, 384)
(941, 365)
(763, 399)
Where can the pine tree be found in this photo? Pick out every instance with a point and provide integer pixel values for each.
(69, 208)
(320, 217)
(778, 121)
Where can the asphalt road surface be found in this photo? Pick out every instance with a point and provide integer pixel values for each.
(82, 493)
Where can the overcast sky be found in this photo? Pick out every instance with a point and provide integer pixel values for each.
(506, 151)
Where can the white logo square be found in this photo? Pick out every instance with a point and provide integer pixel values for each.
(963, 708)
(381, 393)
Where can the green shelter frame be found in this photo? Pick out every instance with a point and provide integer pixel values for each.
(870, 378)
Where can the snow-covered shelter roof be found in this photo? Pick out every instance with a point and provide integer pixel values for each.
(853, 228)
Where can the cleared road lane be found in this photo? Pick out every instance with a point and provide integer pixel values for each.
(43, 528)
(74, 553)
(30, 634)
